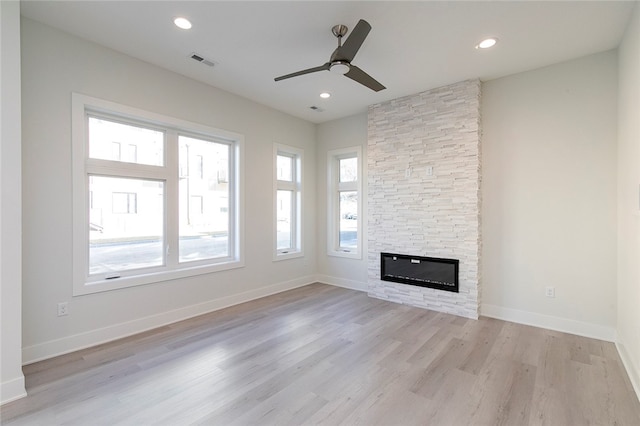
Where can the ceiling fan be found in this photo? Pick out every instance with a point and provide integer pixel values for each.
(340, 61)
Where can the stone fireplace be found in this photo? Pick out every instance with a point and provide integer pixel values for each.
(423, 161)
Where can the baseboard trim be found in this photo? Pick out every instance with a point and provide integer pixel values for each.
(12, 390)
(342, 282)
(53, 348)
(579, 328)
(632, 371)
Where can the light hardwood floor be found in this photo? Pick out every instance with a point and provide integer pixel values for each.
(326, 355)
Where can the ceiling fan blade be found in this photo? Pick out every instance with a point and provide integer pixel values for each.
(348, 50)
(324, 67)
(356, 74)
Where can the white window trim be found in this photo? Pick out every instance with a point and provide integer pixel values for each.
(333, 205)
(296, 186)
(81, 283)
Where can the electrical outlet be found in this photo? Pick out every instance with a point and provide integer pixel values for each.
(550, 292)
(63, 309)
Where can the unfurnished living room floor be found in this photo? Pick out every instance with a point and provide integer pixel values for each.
(326, 355)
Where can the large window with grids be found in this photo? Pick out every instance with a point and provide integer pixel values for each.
(155, 198)
(288, 202)
(344, 202)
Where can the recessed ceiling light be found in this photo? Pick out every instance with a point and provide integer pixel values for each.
(183, 23)
(487, 43)
(325, 95)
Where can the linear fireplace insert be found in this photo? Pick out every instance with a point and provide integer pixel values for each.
(432, 272)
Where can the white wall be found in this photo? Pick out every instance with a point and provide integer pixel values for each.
(343, 133)
(11, 377)
(629, 200)
(56, 64)
(549, 196)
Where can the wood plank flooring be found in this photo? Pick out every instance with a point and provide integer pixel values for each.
(331, 356)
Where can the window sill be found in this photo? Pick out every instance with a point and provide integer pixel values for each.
(91, 287)
(285, 256)
(346, 254)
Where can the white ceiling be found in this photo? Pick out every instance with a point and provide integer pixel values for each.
(413, 46)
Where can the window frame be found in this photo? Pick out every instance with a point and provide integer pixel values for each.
(295, 185)
(82, 167)
(334, 187)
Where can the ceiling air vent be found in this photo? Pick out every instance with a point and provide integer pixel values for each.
(201, 59)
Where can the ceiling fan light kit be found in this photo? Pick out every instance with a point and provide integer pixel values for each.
(339, 67)
(340, 60)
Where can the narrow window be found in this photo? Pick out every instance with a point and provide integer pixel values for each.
(133, 153)
(116, 151)
(288, 202)
(344, 202)
(199, 165)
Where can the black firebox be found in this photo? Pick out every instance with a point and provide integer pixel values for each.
(432, 272)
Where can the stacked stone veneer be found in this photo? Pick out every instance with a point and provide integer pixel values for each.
(412, 212)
